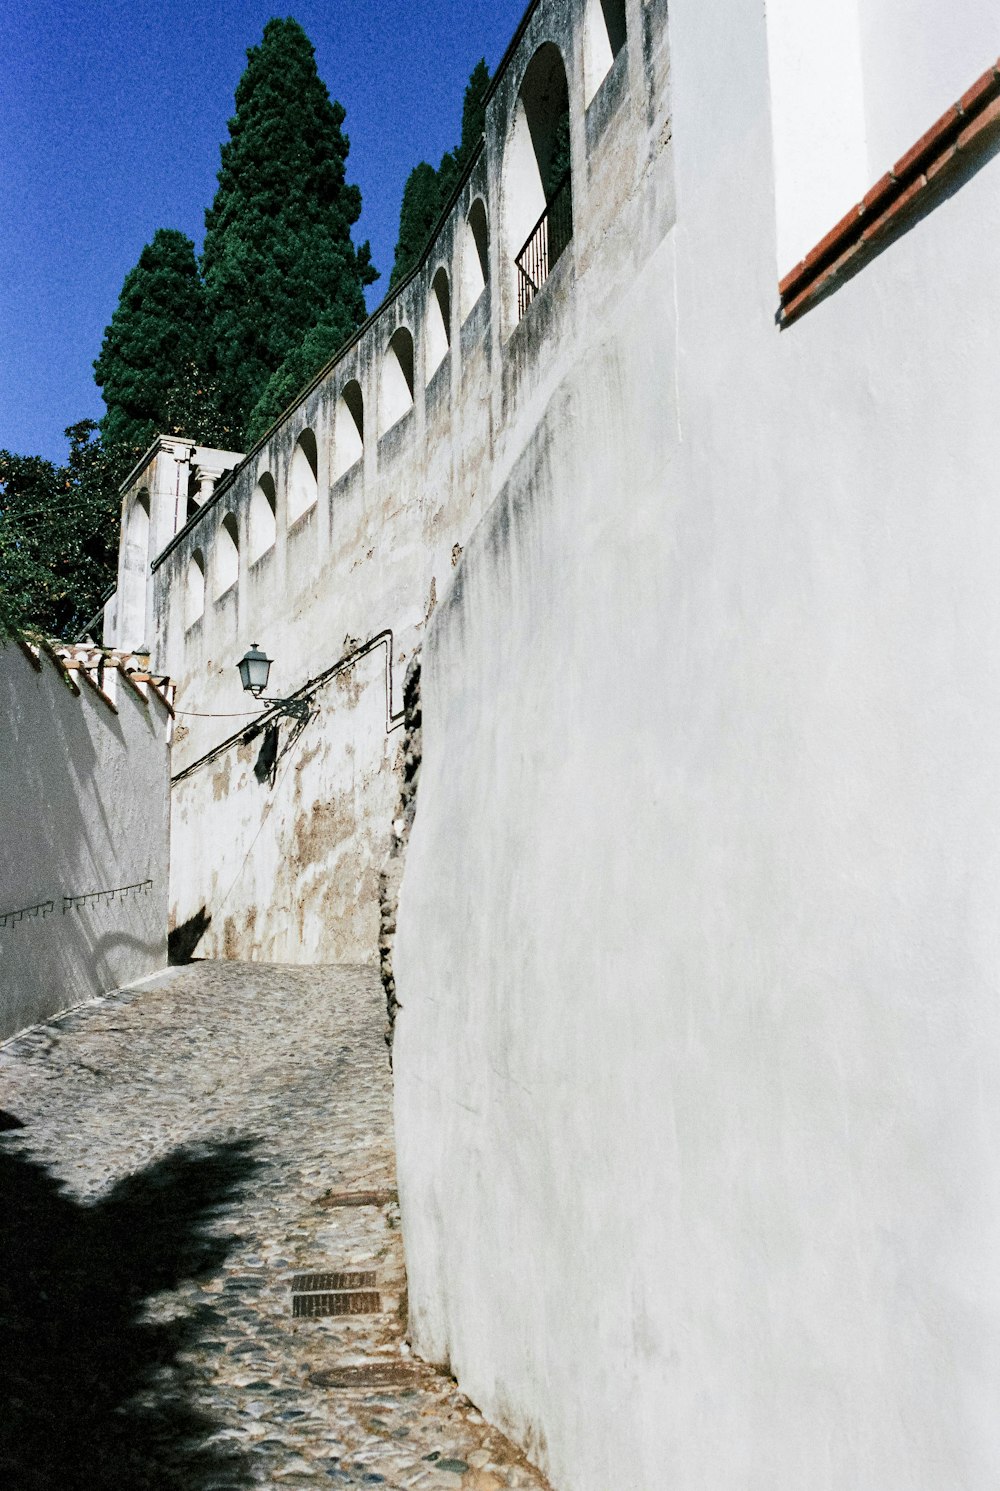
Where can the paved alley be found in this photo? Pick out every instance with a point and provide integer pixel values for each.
(191, 1174)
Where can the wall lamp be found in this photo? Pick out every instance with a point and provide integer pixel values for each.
(254, 667)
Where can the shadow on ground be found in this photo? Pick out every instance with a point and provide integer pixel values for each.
(94, 1397)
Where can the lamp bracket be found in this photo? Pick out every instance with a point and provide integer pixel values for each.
(295, 709)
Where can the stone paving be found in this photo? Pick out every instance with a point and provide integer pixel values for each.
(171, 1157)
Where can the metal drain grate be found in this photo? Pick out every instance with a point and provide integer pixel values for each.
(340, 1292)
(321, 1283)
(350, 1302)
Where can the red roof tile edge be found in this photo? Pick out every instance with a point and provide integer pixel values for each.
(93, 684)
(959, 127)
(57, 662)
(30, 654)
(160, 691)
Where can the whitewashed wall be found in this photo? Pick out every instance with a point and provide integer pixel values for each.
(83, 810)
(289, 870)
(698, 1055)
(918, 59)
(852, 87)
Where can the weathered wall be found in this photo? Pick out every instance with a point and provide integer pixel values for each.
(84, 810)
(365, 537)
(290, 871)
(283, 864)
(698, 1048)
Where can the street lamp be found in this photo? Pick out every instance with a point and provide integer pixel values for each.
(254, 667)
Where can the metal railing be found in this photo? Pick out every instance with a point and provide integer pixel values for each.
(546, 242)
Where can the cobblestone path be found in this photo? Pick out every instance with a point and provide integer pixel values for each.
(171, 1158)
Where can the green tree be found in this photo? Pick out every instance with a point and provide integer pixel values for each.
(59, 528)
(321, 343)
(153, 363)
(426, 192)
(474, 111)
(278, 256)
(420, 210)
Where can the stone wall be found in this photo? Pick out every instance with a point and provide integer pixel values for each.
(84, 828)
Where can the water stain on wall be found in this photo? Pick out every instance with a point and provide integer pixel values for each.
(221, 780)
(319, 830)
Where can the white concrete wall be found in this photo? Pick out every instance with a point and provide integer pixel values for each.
(853, 86)
(698, 1055)
(919, 58)
(819, 135)
(83, 809)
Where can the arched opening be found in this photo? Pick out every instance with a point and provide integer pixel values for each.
(603, 39)
(227, 555)
(263, 526)
(397, 380)
(537, 179)
(475, 256)
(137, 535)
(348, 429)
(194, 608)
(135, 570)
(438, 331)
(303, 477)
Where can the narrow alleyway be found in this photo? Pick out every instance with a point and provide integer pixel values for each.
(173, 1160)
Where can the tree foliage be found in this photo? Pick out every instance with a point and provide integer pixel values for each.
(59, 528)
(427, 190)
(278, 258)
(213, 351)
(420, 210)
(320, 344)
(153, 366)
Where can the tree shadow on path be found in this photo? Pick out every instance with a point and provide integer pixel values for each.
(93, 1395)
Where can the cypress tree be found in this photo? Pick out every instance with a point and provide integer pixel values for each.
(427, 191)
(278, 257)
(474, 110)
(420, 210)
(152, 363)
(320, 344)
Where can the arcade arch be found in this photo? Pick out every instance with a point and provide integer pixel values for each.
(437, 336)
(397, 380)
(194, 599)
(475, 256)
(538, 192)
(303, 476)
(137, 535)
(226, 558)
(348, 429)
(603, 38)
(263, 524)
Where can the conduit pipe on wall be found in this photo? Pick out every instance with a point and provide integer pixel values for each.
(393, 719)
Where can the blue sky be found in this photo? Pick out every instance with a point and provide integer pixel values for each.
(111, 118)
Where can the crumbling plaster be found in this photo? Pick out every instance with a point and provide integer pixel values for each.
(376, 549)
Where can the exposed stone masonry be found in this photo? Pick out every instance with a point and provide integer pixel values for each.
(392, 876)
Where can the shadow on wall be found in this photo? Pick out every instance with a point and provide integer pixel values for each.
(94, 1396)
(69, 828)
(183, 940)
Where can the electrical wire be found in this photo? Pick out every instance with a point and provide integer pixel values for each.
(197, 714)
(393, 719)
